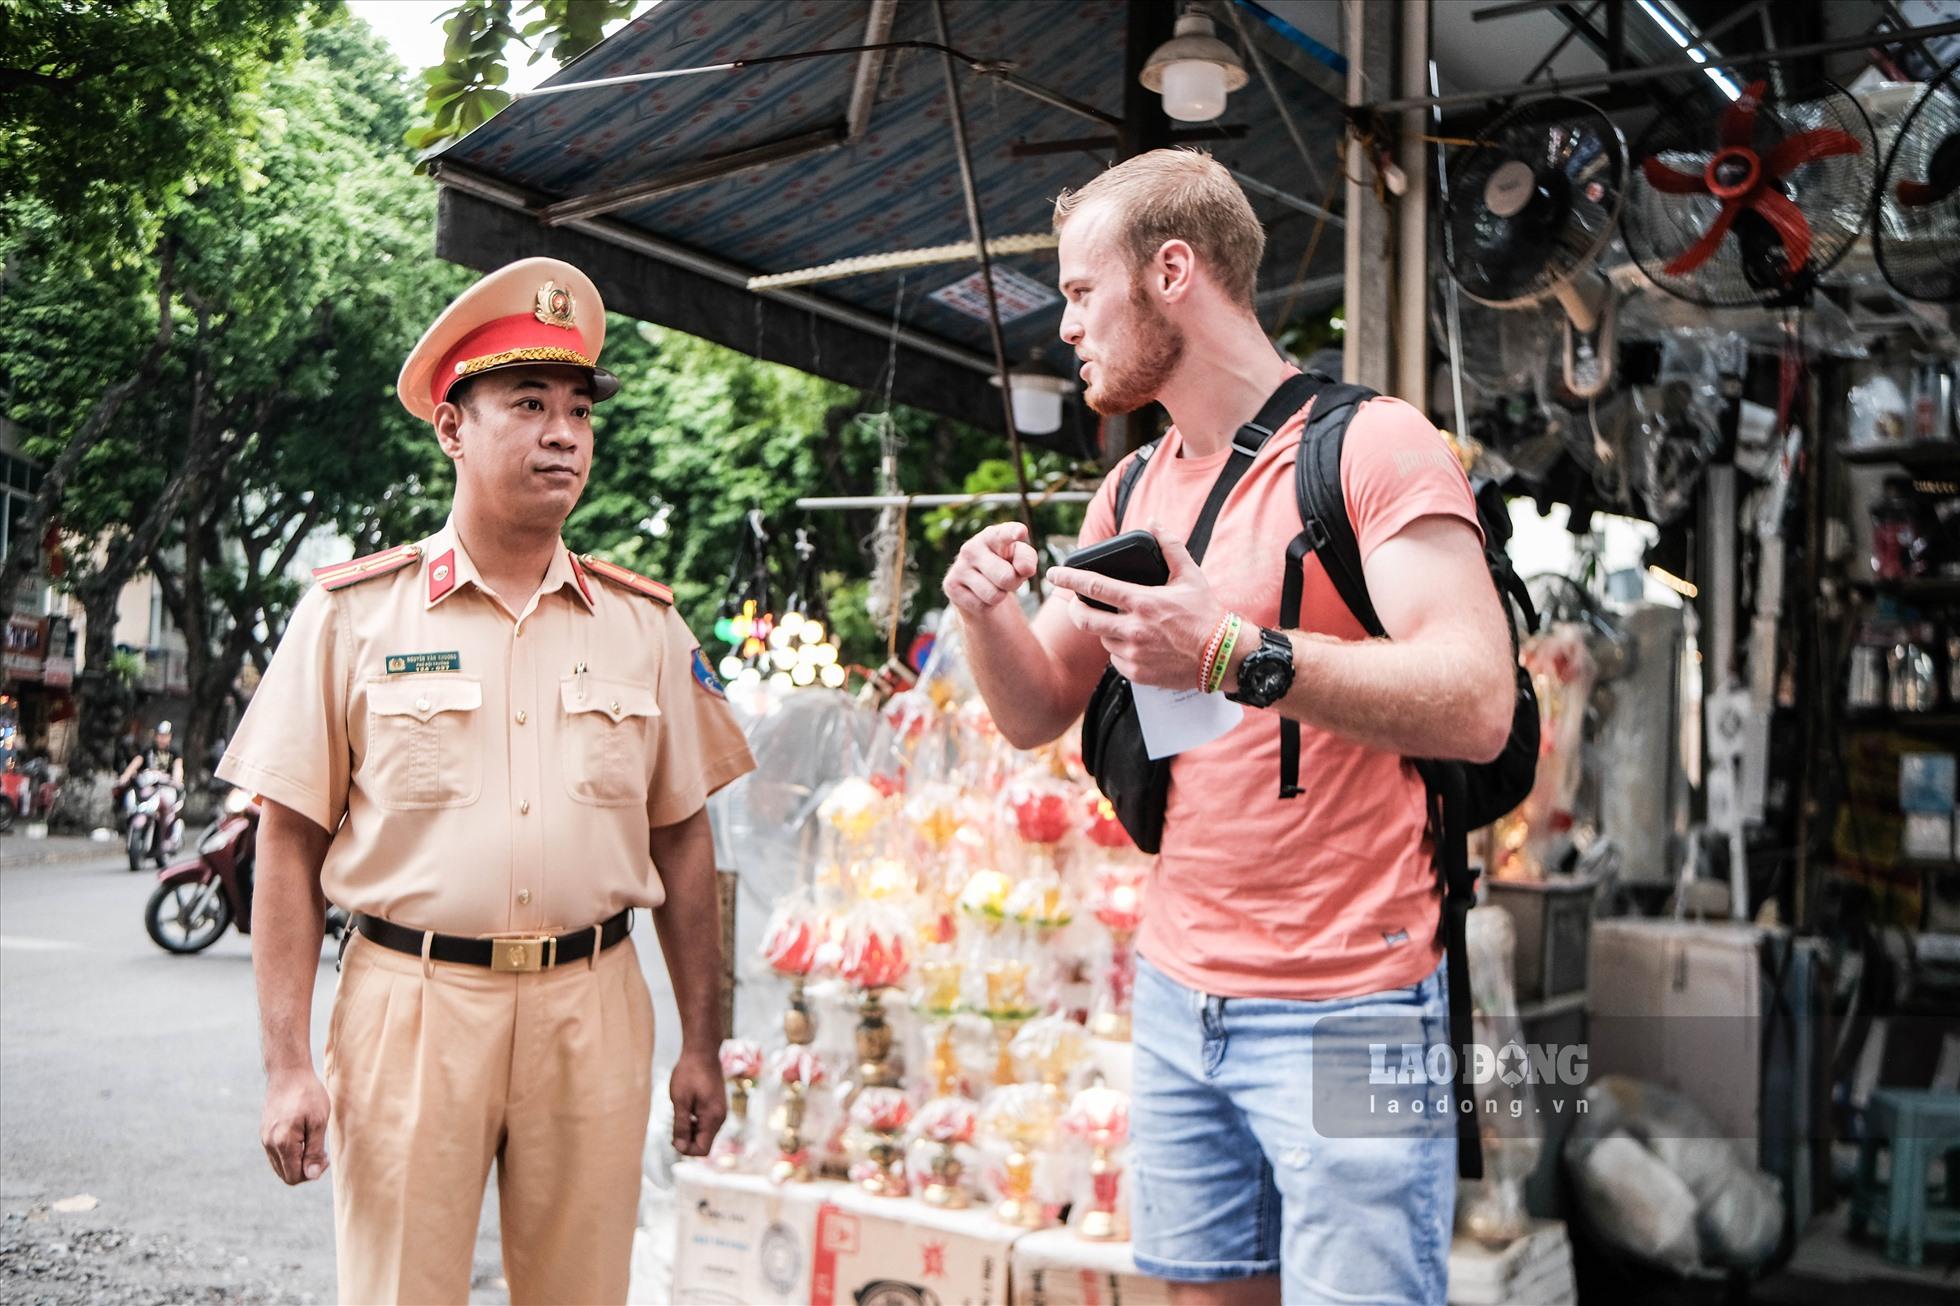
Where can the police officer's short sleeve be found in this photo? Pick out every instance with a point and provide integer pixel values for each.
(701, 746)
(292, 746)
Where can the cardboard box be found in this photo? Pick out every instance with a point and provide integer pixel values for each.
(873, 1251)
(742, 1241)
(1680, 1005)
(1536, 1268)
(1056, 1268)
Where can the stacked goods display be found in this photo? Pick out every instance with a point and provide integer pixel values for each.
(959, 957)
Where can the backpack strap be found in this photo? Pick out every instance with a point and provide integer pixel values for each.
(1127, 482)
(1293, 394)
(1324, 519)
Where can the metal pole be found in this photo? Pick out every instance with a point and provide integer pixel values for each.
(1001, 500)
(974, 221)
(986, 67)
(1657, 72)
(1460, 422)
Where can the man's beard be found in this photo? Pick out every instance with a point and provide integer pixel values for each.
(1146, 354)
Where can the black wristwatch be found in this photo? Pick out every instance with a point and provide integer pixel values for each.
(1267, 672)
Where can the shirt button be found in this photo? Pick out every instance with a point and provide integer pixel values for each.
(524, 808)
(523, 897)
(421, 705)
(521, 717)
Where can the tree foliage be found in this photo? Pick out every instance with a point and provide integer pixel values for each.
(465, 89)
(112, 113)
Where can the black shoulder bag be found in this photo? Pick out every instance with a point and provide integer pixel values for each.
(1112, 737)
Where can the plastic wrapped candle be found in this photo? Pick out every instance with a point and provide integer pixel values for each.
(934, 813)
(741, 1058)
(1099, 1114)
(853, 808)
(1054, 1046)
(882, 1110)
(797, 1065)
(877, 954)
(1041, 809)
(1099, 823)
(947, 1120)
(1040, 901)
(1119, 899)
(790, 943)
(985, 895)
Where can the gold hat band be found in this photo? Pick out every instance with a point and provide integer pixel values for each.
(535, 354)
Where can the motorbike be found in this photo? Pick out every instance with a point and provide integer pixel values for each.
(29, 791)
(198, 898)
(156, 823)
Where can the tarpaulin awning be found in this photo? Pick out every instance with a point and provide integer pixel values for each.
(673, 193)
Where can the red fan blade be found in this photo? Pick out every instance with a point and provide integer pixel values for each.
(1914, 194)
(1790, 224)
(1702, 250)
(1795, 151)
(1739, 119)
(1671, 181)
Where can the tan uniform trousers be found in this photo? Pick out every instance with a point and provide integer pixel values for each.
(436, 1070)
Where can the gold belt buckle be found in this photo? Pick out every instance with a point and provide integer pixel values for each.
(523, 953)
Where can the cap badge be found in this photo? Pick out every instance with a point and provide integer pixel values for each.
(554, 306)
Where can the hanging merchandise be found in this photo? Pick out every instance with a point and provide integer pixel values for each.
(1749, 206)
(804, 641)
(1916, 233)
(1532, 205)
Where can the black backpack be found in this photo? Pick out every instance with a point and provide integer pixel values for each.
(1463, 796)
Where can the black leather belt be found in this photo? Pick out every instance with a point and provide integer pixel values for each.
(511, 953)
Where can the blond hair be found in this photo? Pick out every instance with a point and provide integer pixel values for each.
(1179, 194)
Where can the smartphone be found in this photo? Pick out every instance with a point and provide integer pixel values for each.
(1132, 557)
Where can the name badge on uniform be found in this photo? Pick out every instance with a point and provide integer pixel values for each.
(408, 664)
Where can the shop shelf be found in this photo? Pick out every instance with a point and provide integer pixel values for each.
(1927, 457)
(1918, 589)
(1944, 724)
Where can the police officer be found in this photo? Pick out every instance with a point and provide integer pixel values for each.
(492, 752)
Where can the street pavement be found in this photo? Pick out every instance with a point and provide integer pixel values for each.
(132, 1077)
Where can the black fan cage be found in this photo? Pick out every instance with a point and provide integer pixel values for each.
(1578, 177)
(1916, 233)
(1833, 196)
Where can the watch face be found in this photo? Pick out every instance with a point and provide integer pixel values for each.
(1267, 680)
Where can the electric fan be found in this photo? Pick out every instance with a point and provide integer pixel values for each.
(1752, 204)
(1917, 233)
(1532, 203)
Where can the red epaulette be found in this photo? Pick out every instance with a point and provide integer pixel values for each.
(342, 574)
(618, 575)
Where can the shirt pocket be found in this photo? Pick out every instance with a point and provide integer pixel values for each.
(422, 749)
(608, 728)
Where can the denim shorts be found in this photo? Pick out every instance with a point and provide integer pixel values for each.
(1244, 1165)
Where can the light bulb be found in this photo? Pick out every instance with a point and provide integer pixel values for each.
(782, 659)
(780, 682)
(731, 667)
(832, 676)
(811, 632)
(791, 621)
(748, 678)
(805, 674)
(825, 655)
(1194, 90)
(780, 637)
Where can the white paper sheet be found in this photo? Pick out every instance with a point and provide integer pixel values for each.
(1177, 720)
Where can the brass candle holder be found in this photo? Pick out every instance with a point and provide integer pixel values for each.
(1021, 1116)
(797, 1070)
(946, 1123)
(741, 1065)
(882, 1113)
(1101, 1117)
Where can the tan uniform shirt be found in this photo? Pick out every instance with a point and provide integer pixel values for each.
(487, 766)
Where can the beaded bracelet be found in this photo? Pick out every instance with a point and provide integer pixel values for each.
(1216, 638)
(1223, 659)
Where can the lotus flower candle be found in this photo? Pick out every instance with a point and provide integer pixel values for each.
(1119, 906)
(876, 957)
(1041, 810)
(790, 947)
(985, 895)
(948, 1123)
(1101, 1117)
(1054, 1046)
(1040, 901)
(1100, 825)
(853, 809)
(883, 1113)
(797, 1070)
(741, 1066)
(934, 812)
(1022, 1117)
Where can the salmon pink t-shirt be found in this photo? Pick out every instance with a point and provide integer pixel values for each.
(1330, 894)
